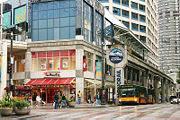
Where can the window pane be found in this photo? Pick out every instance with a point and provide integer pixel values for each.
(72, 21)
(56, 33)
(43, 6)
(50, 34)
(126, 23)
(42, 24)
(64, 22)
(134, 26)
(134, 16)
(116, 1)
(56, 22)
(134, 5)
(42, 64)
(42, 34)
(142, 18)
(125, 13)
(35, 7)
(35, 24)
(56, 4)
(73, 3)
(64, 12)
(50, 5)
(35, 15)
(72, 32)
(50, 13)
(64, 33)
(35, 35)
(142, 28)
(56, 13)
(125, 2)
(116, 11)
(64, 4)
(43, 15)
(50, 23)
(72, 11)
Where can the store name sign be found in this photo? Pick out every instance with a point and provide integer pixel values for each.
(116, 56)
(118, 78)
(52, 74)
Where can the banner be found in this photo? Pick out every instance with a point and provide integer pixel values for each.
(98, 68)
(20, 14)
(0, 68)
(7, 19)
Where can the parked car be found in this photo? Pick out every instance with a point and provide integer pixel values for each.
(175, 101)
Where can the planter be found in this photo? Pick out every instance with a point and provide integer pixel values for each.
(23, 111)
(6, 111)
(71, 104)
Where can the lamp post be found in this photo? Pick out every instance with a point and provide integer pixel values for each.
(102, 97)
(11, 57)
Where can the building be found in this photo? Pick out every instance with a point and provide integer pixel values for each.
(140, 16)
(77, 45)
(169, 38)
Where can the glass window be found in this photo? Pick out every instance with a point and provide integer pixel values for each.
(50, 34)
(134, 26)
(72, 21)
(142, 18)
(143, 39)
(64, 33)
(43, 24)
(56, 22)
(56, 13)
(56, 5)
(125, 2)
(42, 34)
(125, 13)
(50, 14)
(142, 28)
(35, 7)
(35, 15)
(72, 32)
(141, 7)
(72, 12)
(116, 11)
(43, 6)
(50, 23)
(56, 33)
(35, 24)
(107, 7)
(134, 16)
(98, 28)
(116, 1)
(72, 3)
(43, 15)
(126, 23)
(35, 35)
(64, 4)
(64, 22)
(50, 5)
(64, 12)
(89, 60)
(134, 5)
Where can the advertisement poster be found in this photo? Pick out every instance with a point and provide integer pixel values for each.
(98, 68)
(43, 64)
(65, 63)
(20, 15)
(7, 19)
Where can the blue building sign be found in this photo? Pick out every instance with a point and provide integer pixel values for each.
(118, 77)
(116, 56)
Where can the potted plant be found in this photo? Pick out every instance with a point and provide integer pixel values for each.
(21, 107)
(6, 105)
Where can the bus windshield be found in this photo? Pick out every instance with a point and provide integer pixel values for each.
(127, 92)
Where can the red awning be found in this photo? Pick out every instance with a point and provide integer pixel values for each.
(62, 81)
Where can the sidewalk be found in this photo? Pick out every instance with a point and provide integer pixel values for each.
(77, 106)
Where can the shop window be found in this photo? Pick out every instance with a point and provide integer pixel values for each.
(89, 61)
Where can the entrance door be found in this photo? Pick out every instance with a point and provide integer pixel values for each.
(50, 96)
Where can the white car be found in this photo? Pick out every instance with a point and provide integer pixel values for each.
(175, 101)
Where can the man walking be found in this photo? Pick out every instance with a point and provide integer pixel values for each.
(79, 97)
(63, 101)
(56, 99)
(89, 97)
(97, 98)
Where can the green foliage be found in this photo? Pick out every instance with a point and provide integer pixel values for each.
(6, 102)
(178, 81)
(20, 103)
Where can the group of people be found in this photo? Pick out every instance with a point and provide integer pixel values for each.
(96, 98)
(62, 101)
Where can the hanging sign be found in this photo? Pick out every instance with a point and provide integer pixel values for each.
(98, 68)
(118, 78)
(116, 56)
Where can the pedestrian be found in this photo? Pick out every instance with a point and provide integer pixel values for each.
(34, 99)
(56, 99)
(79, 97)
(97, 98)
(38, 100)
(89, 97)
(63, 101)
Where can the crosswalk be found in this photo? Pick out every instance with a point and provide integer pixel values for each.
(138, 112)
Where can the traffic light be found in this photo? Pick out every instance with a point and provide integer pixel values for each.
(9, 69)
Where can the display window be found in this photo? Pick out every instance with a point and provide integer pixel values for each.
(19, 63)
(89, 61)
(53, 60)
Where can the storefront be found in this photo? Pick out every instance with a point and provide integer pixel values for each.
(46, 88)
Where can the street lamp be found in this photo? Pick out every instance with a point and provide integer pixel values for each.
(11, 57)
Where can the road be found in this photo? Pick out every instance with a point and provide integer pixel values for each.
(136, 112)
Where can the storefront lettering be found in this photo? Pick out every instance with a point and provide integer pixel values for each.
(118, 82)
(52, 74)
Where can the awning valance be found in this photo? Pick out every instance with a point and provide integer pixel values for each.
(61, 81)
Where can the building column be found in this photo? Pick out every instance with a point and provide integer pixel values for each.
(156, 82)
(3, 73)
(28, 64)
(167, 90)
(163, 90)
(79, 72)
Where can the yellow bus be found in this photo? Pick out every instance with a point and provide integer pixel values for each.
(134, 94)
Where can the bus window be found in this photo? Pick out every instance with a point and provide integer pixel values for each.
(128, 92)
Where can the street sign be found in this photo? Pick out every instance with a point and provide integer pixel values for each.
(116, 56)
